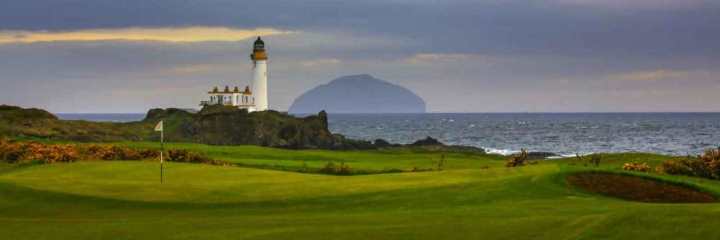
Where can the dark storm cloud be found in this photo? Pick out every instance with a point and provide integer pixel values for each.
(556, 55)
(488, 27)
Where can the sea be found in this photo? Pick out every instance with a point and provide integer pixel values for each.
(564, 134)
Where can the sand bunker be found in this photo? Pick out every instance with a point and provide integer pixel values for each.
(635, 188)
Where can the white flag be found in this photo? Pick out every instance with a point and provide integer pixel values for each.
(159, 127)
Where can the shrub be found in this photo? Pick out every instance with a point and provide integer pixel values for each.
(675, 167)
(698, 167)
(711, 160)
(332, 168)
(517, 160)
(182, 155)
(149, 153)
(11, 152)
(345, 169)
(56, 153)
(14, 152)
(101, 152)
(639, 167)
(108, 152)
(706, 165)
(328, 168)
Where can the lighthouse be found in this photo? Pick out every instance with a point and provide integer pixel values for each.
(259, 81)
(250, 100)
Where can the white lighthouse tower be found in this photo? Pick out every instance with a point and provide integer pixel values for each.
(259, 82)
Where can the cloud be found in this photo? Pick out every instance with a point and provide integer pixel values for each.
(652, 75)
(192, 69)
(636, 4)
(179, 34)
(434, 58)
(447, 51)
(320, 62)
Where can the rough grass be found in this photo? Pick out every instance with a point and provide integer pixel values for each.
(370, 160)
(124, 200)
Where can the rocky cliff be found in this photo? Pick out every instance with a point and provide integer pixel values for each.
(230, 126)
(216, 125)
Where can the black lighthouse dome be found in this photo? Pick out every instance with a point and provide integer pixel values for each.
(259, 44)
(258, 50)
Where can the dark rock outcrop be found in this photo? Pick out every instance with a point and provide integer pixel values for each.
(428, 141)
(217, 125)
(230, 126)
(540, 155)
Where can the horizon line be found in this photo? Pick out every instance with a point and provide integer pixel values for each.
(369, 113)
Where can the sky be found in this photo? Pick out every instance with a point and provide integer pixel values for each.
(109, 56)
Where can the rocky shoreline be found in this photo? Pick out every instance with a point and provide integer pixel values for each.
(214, 125)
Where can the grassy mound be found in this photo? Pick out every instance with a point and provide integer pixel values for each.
(636, 188)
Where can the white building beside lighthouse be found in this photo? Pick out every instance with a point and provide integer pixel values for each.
(252, 100)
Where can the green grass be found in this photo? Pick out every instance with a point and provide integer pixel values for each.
(474, 198)
(404, 158)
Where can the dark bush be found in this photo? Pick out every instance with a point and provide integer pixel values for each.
(675, 167)
(149, 153)
(182, 155)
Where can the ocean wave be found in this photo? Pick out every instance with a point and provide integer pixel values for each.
(504, 152)
(508, 152)
(567, 155)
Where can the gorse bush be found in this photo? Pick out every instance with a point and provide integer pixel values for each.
(675, 167)
(52, 153)
(182, 155)
(16, 152)
(706, 165)
(108, 152)
(10, 152)
(639, 167)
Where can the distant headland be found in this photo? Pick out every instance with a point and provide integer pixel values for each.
(358, 94)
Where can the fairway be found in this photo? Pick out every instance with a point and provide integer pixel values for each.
(475, 197)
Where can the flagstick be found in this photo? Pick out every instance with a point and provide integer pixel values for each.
(162, 149)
